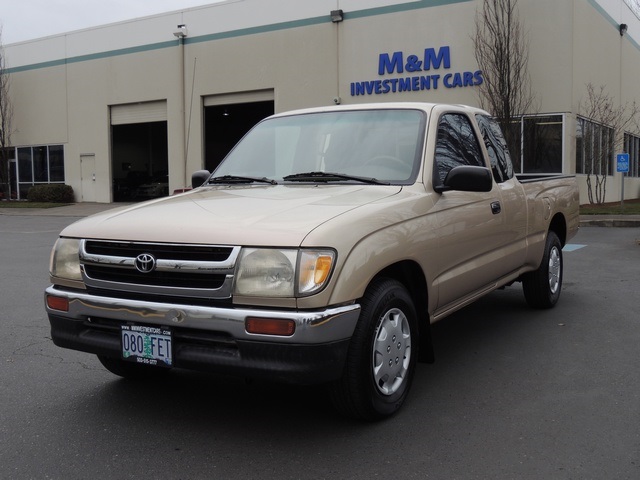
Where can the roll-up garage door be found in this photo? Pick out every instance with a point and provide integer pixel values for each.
(143, 112)
(239, 97)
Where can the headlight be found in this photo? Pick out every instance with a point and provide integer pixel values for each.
(65, 262)
(314, 270)
(271, 272)
(266, 272)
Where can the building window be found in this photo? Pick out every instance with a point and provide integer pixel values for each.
(37, 165)
(536, 144)
(7, 173)
(632, 147)
(594, 148)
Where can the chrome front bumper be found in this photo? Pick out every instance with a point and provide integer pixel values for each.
(312, 327)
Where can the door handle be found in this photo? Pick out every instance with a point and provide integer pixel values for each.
(496, 208)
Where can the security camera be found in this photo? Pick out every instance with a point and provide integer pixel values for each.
(337, 100)
(181, 31)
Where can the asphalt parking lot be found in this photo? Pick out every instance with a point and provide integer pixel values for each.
(514, 392)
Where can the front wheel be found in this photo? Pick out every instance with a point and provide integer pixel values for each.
(382, 355)
(542, 286)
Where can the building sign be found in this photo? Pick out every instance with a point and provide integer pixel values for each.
(413, 73)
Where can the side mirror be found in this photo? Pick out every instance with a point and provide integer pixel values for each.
(199, 177)
(467, 178)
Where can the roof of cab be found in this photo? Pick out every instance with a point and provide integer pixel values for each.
(424, 106)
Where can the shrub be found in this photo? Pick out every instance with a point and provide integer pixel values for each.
(52, 193)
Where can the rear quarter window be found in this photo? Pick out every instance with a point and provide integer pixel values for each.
(496, 146)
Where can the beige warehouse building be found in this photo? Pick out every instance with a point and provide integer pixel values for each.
(128, 111)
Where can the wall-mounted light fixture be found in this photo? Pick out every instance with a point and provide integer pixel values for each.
(181, 31)
(337, 16)
(623, 29)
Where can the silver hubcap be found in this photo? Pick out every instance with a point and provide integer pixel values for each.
(391, 351)
(555, 269)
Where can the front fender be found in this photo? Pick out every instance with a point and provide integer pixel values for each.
(413, 240)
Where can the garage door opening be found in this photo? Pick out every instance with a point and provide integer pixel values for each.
(139, 151)
(225, 125)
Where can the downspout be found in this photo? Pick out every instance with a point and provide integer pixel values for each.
(181, 33)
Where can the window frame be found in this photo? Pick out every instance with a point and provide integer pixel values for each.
(518, 158)
(583, 124)
(23, 182)
(632, 147)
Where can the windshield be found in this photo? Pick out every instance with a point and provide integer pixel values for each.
(384, 145)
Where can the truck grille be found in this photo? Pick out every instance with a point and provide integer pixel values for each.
(166, 251)
(192, 271)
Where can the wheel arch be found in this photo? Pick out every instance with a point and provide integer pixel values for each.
(411, 276)
(559, 226)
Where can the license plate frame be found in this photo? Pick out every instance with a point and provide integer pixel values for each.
(148, 345)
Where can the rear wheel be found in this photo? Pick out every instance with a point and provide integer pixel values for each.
(542, 287)
(130, 370)
(382, 355)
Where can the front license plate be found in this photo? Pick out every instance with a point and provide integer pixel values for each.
(148, 345)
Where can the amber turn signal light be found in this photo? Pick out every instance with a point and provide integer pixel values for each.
(270, 326)
(58, 303)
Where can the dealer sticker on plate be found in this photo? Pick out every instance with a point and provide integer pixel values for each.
(148, 345)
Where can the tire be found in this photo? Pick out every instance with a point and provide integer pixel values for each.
(131, 370)
(542, 287)
(382, 355)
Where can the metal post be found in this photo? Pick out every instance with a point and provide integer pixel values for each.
(622, 193)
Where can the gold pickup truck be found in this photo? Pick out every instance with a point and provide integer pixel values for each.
(319, 251)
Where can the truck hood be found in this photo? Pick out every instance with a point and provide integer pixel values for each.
(281, 215)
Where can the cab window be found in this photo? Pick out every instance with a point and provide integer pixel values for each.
(497, 149)
(456, 145)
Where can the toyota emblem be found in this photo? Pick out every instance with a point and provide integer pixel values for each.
(145, 263)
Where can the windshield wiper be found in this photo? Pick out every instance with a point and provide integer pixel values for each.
(240, 179)
(330, 177)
